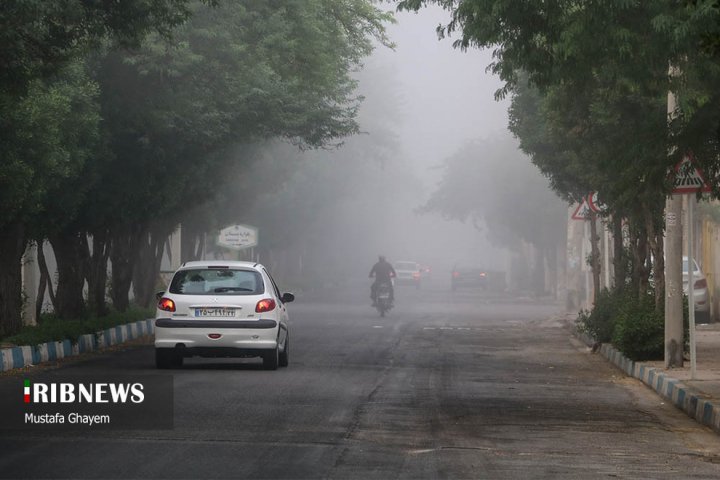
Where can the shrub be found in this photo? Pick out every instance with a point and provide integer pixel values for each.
(50, 328)
(640, 329)
(600, 322)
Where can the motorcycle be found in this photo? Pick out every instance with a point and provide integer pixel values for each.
(383, 302)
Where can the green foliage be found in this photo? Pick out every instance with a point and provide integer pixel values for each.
(45, 139)
(233, 75)
(640, 329)
(631, 323)
(39, 37)
(51, 328)
(599, 323)
(485, 179)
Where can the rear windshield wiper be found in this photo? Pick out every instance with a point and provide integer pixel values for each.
(232, 289)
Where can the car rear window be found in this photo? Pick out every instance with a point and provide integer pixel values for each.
(406, 266)
(220, 281)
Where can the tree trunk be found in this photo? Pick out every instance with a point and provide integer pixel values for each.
(192, 243)
(12, 247)
(44, 281)
(147, 268)
(551, 256)
(595, 256)
(97, 273)
(71, 253)
(619, 255)
(123, 255)
(640, 273)
(538, 270)
(657, 248)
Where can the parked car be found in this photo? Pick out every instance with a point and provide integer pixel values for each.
(468, 276)
(408, 273)
(222, 309)
(700, 291)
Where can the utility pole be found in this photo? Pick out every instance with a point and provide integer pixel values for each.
(673, 265)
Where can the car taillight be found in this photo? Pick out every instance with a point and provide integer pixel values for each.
(702, 283)
(482, 274)
(416, 275)
(456, 274)
(265, 305)
(166, 304)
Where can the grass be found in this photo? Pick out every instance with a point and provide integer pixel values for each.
(52, 329)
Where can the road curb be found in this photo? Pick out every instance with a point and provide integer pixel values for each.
(26, 355)
(694, 403)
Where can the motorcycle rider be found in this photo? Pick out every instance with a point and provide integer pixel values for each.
(383, 273)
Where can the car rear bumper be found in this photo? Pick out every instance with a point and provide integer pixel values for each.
(701, 300)
(234, 338)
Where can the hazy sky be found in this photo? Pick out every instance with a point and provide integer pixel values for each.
(445, 99)
(447, 95)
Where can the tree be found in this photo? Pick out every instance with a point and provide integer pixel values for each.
(39, 43)
(492, 183)
(177, 113)
(53, 134)
(597, 65)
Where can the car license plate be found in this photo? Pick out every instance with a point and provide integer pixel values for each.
(215, 312)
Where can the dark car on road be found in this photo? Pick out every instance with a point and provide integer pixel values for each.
(468, 276)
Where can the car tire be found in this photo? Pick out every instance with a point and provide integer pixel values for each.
(271, 359)
(285, 354)
(167, 358)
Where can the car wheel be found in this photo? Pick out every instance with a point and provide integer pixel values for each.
(167, 358)
(285, 354)
(271, 359)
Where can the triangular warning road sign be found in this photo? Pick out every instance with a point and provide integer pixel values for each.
(689, 178)
(582, 212)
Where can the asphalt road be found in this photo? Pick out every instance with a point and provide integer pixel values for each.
(446, 386)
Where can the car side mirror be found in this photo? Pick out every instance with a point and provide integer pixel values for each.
(159, 295)
(287, 297)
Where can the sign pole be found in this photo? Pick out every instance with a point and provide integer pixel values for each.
(606, 254)
(691, 284)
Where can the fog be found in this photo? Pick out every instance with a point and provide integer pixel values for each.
(446, 99)
(423, 102)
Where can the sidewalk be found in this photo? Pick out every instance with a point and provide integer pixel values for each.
(698, 397)
(707, 375)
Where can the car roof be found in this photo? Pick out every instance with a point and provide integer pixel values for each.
(220, 263)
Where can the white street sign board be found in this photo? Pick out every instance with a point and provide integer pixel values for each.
(238, 237)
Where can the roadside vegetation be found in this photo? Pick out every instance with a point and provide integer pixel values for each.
(589, 86)
(631, 323)
(51, 328)
(121, 120)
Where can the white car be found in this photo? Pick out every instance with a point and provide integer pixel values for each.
(222, 309)
(700, 291)
(408, 273)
